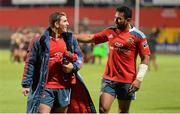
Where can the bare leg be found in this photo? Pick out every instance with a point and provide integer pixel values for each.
(124, 106)
(100, 59)
(93, 59)
(43, 108)
(105, 102)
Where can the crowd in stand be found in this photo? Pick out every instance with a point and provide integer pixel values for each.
(19, 42)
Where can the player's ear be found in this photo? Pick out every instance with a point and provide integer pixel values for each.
(118, 20)
(56, 24)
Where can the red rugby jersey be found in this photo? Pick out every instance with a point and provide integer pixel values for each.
(123, 50)
(55, 73)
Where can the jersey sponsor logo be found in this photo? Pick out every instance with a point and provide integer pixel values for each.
(119, 47)
(58, 54)
(118, 44)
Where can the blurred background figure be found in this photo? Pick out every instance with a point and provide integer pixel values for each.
(15, 41)
(87, 52)
(99, 52)
(86, 48)
(152, 41)
(19, 42)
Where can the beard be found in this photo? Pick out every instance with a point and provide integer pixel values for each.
(121, 25)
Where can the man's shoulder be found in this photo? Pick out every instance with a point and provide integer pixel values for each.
(109, 30)
(136, 32)
(113, 28)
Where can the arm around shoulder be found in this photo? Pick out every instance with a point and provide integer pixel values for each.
(84, 37)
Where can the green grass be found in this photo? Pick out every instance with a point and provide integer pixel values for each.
(159, 93)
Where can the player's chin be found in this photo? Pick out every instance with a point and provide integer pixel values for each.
(65, 30)
(116, 25)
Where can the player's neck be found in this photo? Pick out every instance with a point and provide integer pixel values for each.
(128, 27)
(56, 33)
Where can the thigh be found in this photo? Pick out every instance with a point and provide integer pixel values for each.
(107, 86)
(122, 92)
(124, 97)
(43, 108)
(105, 101)
(47, 101)
(62, 98)
(107, 95)
(48, 97)
(124, 106)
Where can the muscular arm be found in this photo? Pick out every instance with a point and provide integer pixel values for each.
(97, 38)
(141, 72)
(144, 59)
(85, 38)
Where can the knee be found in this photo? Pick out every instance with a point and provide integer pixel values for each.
(123, 110)
(103, 109)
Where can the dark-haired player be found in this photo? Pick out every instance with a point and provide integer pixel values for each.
(120, 79)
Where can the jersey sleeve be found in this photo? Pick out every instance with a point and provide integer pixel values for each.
(100, 37)
(143, 47)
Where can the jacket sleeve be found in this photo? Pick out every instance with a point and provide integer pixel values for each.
(77, 64)
(31, 59)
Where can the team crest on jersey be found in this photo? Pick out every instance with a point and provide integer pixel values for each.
(130, 40)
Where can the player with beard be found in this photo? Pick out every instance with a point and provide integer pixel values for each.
(120, 79)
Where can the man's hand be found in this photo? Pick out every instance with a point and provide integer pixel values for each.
(25, 91)
(135, 86)
(67, 68)
(70, 56)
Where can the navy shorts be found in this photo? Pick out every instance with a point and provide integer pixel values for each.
(56, 97)
(117, 89)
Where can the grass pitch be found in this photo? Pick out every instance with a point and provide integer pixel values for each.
(159, 93)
